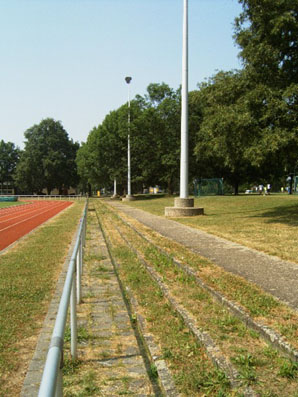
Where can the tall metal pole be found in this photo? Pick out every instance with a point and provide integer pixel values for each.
(128, 80)
(184, 109)
(115, 187)
(184, 206)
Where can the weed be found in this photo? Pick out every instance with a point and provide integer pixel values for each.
(289, 370)
(70, 366)
(167, 353)
(94, 257)
(289, 330)
(82, 332)
(112, 310)
(104, 354)
(245, 360)
(247, 375)
(254, 334)
(270, 352)
(153, 371)
(246, 364)
(230, 324)
(86, 385)
(134, 318)
(119, 348)
(89, 295)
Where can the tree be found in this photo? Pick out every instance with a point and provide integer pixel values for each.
(267, 32)
(104, 156)
(48, 160)
(159, 129)
(227, 130)
(9, 156)
(154, 130)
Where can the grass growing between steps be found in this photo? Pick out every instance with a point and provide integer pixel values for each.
(258, 304)
(193, 371)
(110, 363)
(258, 364)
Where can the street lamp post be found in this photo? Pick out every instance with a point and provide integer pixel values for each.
(184, 206)
(129, 195)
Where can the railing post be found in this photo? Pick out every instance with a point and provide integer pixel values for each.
(59, 384)
(73, 320)
(81, 251)
(79, 271)
(85, 226)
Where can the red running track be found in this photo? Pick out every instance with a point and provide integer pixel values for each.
(17, 221)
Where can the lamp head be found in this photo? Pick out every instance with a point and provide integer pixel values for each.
(128, 79)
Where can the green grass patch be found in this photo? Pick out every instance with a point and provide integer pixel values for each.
(266, 223)
(4, 204)
(28, 275)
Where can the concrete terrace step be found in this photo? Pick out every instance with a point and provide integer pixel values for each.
(107, 347)
(112, 346)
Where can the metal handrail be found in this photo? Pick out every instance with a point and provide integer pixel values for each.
(51, 382)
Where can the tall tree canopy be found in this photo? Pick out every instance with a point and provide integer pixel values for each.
(224, 138)
(104, 156)
(267, 32)
(48, 160)
(160, 127)
(9, 156)
(154, 130)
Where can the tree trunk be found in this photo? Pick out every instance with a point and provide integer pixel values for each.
(291, 184)
(170, 188)
(236, 188)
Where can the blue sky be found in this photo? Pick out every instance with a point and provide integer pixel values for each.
(67, 59)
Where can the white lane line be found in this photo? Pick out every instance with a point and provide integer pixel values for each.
(27, 219)
(32, 210)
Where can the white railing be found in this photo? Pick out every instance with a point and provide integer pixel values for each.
(52, 382)
(50, 197)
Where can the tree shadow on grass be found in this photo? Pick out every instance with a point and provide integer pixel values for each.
(149, 196)
(287, 215)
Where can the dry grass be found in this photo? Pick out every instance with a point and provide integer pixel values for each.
(28, 275)
(89, 376)
(259, 305)
(257, 363)
(266, 223)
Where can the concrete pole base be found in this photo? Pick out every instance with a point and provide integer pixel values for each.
(183, 207)
(128, 197)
